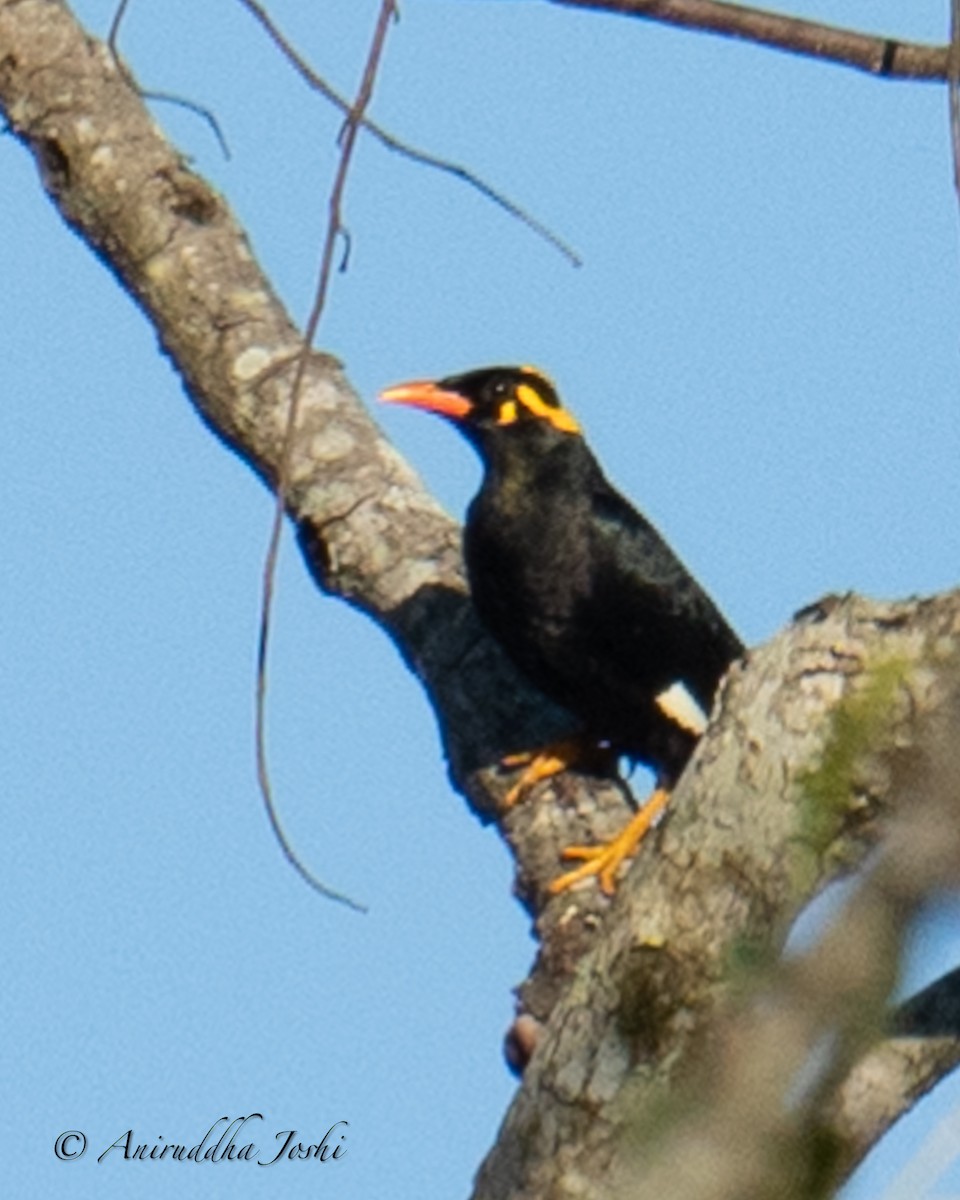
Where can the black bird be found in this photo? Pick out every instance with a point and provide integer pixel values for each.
(580, 590)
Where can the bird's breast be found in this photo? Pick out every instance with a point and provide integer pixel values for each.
(530, 583)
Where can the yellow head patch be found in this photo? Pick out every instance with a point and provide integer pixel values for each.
(528, 401)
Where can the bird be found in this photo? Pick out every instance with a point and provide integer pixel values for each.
(582, 592)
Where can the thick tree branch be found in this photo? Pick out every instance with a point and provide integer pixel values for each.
(888, 57)
(786, 791)
(370, 531)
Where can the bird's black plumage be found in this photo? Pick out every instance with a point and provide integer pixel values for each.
(580, 590)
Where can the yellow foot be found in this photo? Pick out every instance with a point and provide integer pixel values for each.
(551, 760)
(604, 860)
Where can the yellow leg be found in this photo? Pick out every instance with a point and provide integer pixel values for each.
(551, 760)
(604, 860)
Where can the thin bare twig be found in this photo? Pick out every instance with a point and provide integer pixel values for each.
(335, 229)
(953, 90)
(319, 84)
(164, 97)
(884, 56)
(115, 28)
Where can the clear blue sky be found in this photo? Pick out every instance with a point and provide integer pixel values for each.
(763, 346)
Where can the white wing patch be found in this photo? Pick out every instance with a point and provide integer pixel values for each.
(677, 704)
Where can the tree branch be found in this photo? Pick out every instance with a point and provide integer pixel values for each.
(786, 791)
(370, 532)
(933, 1012)
(884, 56)
(921, 856)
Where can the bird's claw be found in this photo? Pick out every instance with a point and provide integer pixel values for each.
(604, 860)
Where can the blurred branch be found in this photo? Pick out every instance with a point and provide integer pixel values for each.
(883, 56)
(921, 857)
(783, 1101)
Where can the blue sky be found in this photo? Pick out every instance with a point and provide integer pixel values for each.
(763, 347)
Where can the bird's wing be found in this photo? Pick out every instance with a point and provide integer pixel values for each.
(641, 585)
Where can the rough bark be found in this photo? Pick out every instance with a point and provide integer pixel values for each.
(370, 532)
(789, 787)
(816, 736)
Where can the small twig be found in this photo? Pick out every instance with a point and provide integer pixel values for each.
(205, 114)
(888, 57)
(319, 84)
(335, 230)
(347, 246)
(163, 97)
(115, 28)
(953, 90)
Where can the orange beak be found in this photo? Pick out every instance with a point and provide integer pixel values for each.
(421, 393)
